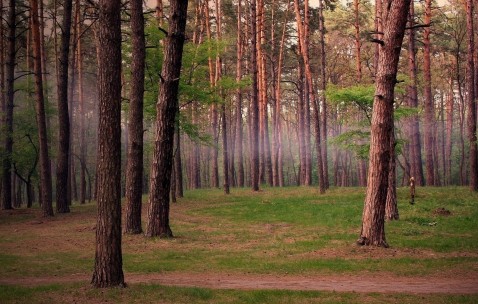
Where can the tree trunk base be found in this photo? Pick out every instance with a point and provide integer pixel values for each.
(363, 241)
(133, 231)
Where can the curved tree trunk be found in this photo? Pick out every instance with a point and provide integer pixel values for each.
(108, 269)
(166, 107)
(63, 200)
(373, 218)
(134, 175)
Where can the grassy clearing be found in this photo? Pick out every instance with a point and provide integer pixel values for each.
(148, 293)
(276, 231)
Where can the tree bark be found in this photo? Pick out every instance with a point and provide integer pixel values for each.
(429, 118)
(322, 88)
(166, 107)
(178, 168)
(391, 207)
(62, 199)
(239, 127)
(470, 98)
(8, 108)
(45, 170)
(134, 175)
(254, 106)
(108, 269)
(373, 218)
(412, 101)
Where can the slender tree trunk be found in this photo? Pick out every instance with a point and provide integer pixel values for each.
(279, 155)
(108, 269)
(225, 155)
(254, 106)
(239, 127)
(449, 134)
(62, 199)
(311, 91)
(470, 98)
(167, 107)
(8, 108)
(82, 114)
(412, 95)
(178, 168)
(429, 121)
(323, 87)
(373, 232)
(45, 170)
(134, 175)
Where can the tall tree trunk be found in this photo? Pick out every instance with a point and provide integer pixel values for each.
(213, 111)
(82, 112)
(358, 45)
(279, 155)
(310, 89)
(429, 117)
(254, 106)
(62, 199)
(8, 108)
(323, 86)
(412, 101)
(239, 127)
(373, 218)
(470, 98)
(167, 107)
(108, 269)
(449, 133)
(134, 175)
(45, 170)
(178, 167)
(266, 153)
(225, 155)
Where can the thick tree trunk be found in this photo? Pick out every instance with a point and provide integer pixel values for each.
(8, 108)
(63, 200)
(373, 218)
(470, 98)
(45, 170)
(108, 269)
(134, 175)
(166, 107)
(391, 207)
(429, 117)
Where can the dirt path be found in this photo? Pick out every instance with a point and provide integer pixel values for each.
(381, 284)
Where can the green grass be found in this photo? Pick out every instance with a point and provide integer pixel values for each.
(292, 230)
(149, 293)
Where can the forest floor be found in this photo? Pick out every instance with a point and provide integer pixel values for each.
(253, 243)
(342, 283)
